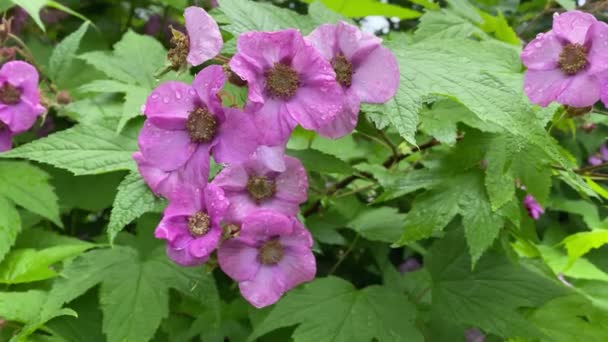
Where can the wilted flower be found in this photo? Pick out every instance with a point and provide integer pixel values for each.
(367, 71)
(19, 100)
(289, 82)
(268, 180)
(271, 255)
(185, 124)
(565, 64)
(533, 207)
(202, 42)
(191, 224)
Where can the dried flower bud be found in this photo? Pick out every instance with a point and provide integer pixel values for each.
(63, 98)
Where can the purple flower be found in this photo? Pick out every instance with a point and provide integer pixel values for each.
(604, 152)
(271, 255)
(204, 36)
(474, 335)
(268, 180)
(409, 265)
(534, 209)
(566, 63)
(19, 100)
(594, 160)
(367, 71)
(191, 224)
(185, 124)
(289, 82)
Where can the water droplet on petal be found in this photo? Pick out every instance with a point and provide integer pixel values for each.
(556, 14)
(178, 95)
(142, 108)
(165, 100)
(155, 96)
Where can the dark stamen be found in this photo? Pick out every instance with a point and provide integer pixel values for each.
(179, 52)
(9, 95)
(573, 59)
(261, 188)
(343, 69)
(199, 224)
(271, 252)
(282, 81)
(201, 125)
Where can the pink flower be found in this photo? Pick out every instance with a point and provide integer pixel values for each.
(204, 36)
(533, 207)
(271, 255)
(289, 82)
(367, 71)
(19, 100)
(191, 224)
(185, 124)
(566, 63)
(604, 152)
(594, 160)
(268, 180)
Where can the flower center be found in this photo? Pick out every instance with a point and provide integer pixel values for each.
(271, 252)
(573, 59)
(179, 52)
(201, 125)
(261, 188)
(231, 230)
(343, 69)
(199, 224)
(9, 95)
(282, 81)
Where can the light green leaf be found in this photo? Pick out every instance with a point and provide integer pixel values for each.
(32, 7)
(85, 149)
(323, 15)
(580, 244)
(21, 306)
(64, 54)
(363, 8)
(559, 262)
(254, 16)
(135, 60)
(379, 224)
(317, 161)
(29, 187)
(567, 4)
(29, 265)
(10, 226)
(488, 297)
(331, 309)
(134, 198)
(586, 209)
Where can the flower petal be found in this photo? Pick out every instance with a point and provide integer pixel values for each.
(265, 288)
(323, 38)
(232, 178)
(582, 91)
(238, 260)
(314, 107)
(236, 139)
(168, 150)
(207, 84)
(300, 241)
(241, 205)
(23, 76)
(6, 140)
(353, 43)
(599, 48)
(376, 77)
(216, 203)
(543, 87)
(268, 159)
(21, 116)
(169, 105)
(266, 223)
(273, 123)
(203, 34)
(345, 122)
(297, 268)
(573, 26)
(203, 246)
(292, 185)
(543, 52)
(180, 253)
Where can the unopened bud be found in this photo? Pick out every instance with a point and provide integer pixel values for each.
(63, 98)
(179, 52)
(5, 29)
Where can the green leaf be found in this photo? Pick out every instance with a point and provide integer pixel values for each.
(10, 226)
(567, 4)
(135, 60)
(578, 320)
(254, 16)
(29, 265)
(331, 309)
(29, 187)
(584, 208)
(64, 54)
(488, 297)
(32, 7)
(85, 149)
(445, 24)
(323, 15)
(317, 161)
(135, 281)
(363, 8)
(379, 224)
(559, 262)
(580, 244)
(21, 306)
(134, 199)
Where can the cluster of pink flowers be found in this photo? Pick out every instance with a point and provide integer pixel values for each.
(19, 100)
(248, 211)
(569, 63)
